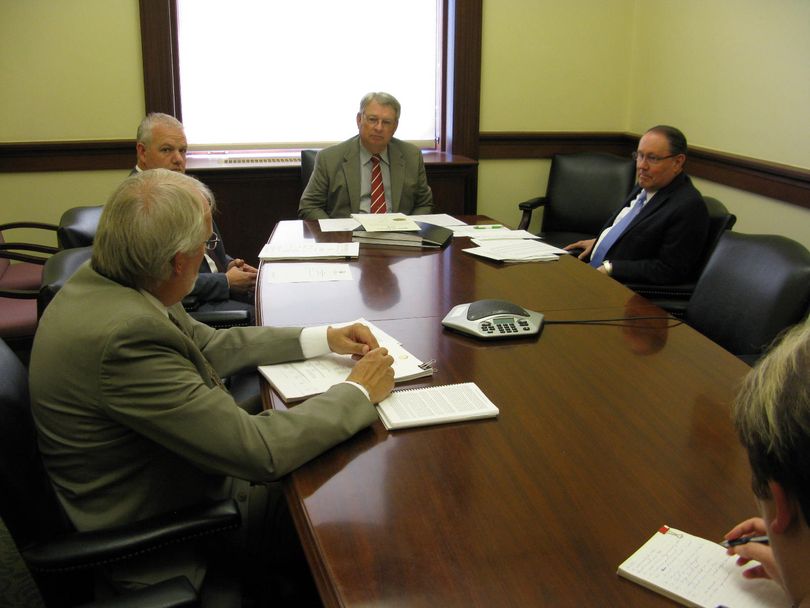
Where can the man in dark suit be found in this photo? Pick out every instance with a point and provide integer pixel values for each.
(660, 232)
(341, 183)
(224, 282)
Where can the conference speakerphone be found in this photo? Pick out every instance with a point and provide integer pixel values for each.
(493, 319)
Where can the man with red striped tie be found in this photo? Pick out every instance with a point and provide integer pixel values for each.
(372, 172)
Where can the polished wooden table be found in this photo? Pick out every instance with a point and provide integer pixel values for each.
(605, 433)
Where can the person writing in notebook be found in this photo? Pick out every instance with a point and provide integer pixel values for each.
(132, 416)
(772, 417)
(659, 233)
(373, 172)
(224, 282)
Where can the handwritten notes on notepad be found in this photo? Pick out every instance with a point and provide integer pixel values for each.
(697, 572)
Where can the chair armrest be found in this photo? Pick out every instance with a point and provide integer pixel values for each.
(680, 291)
(176, 592)
(221, 319)
(42, 225)
(19, 294)
(12, 252)
(83, 550)
(527, 207)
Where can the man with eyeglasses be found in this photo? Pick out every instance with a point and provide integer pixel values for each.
(132, 417)
(373, 172)
(224, 282)
(660, 232)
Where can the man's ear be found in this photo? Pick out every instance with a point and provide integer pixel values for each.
(784, 508)
(140, 151)
(359, 118)
(178, 264)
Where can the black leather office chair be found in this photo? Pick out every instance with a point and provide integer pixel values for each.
(675, 298)
(753, 287)
(61, 560)
(307, 166)
(583, 190)
(77, 226)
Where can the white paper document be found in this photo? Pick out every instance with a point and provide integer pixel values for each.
(439, 219)
(500, 235)
(517, 251)
(478, 229)
(338, 224)
(385, 222)
(697, 572)
(305, 273)
(435, 405)
(302, 379)
(309, 250)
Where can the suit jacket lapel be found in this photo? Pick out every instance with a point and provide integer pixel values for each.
(351, 173)
(397, 163)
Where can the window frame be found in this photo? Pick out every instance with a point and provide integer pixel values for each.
(461, 68)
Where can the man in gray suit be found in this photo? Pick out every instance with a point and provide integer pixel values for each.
(133, 419)
(224, 282)
(341, 181)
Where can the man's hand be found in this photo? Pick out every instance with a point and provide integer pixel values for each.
(586, 246)
(756, 551)
(355, 339)
(375, 374)
(241, 277)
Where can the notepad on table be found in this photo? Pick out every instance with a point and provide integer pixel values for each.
(697, 572)
(435, 405)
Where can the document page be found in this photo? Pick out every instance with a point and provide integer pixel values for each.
(308, 250)
(435, 405)
(385, 222)
(306, 273)
(697, 572)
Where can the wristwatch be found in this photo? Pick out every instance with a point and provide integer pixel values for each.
(608, 267)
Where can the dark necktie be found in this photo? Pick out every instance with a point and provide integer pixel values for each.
(377, 187)
(598, 256)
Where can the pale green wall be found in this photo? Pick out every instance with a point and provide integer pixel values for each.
(733, 74)
(71, 70)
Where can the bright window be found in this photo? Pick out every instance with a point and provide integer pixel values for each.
(273, 73)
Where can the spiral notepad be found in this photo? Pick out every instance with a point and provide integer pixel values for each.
(435, 405)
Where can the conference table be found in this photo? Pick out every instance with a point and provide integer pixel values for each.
(606, 431)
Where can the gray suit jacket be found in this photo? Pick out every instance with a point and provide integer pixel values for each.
(130, 422)
(334, 188)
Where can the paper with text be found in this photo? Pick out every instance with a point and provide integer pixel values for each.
(305, 273)
(385, 222)
(435, 405)
(697, 572)
(308, 250)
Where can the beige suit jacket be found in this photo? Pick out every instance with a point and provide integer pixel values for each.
(334, 188)
(130, 422)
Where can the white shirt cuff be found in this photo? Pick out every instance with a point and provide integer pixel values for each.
(360, 386)
(313, 341)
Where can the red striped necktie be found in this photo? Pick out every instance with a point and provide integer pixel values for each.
(377, 187)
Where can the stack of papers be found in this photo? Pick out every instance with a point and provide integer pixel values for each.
(517, 251)
(303, 379)
(309, 251)
(385, 222)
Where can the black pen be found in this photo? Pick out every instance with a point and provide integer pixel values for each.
(745, 540)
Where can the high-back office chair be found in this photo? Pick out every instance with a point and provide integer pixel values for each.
(60, 559)
(307, 166)
(753, 287)
(77, 226)
(675, 298)
(583, 190)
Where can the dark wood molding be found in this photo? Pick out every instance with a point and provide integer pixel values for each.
(161, 76)
(774, 180)
(67, 156)
(463, 75)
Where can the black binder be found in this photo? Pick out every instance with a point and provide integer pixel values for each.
(428, 236)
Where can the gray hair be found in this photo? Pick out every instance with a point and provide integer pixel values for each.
(144, 135)
(384, 99)
(151, 217)
(772, 417)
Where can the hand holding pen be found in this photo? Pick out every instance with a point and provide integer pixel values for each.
(748, 541)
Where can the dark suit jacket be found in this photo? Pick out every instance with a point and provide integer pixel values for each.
(334, 188)
(664, 243)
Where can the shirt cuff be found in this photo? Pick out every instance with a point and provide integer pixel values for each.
(313, 341)
(360, 386)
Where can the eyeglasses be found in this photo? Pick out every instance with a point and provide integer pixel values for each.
(650, 158)
(212, 243)
(376, 120)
